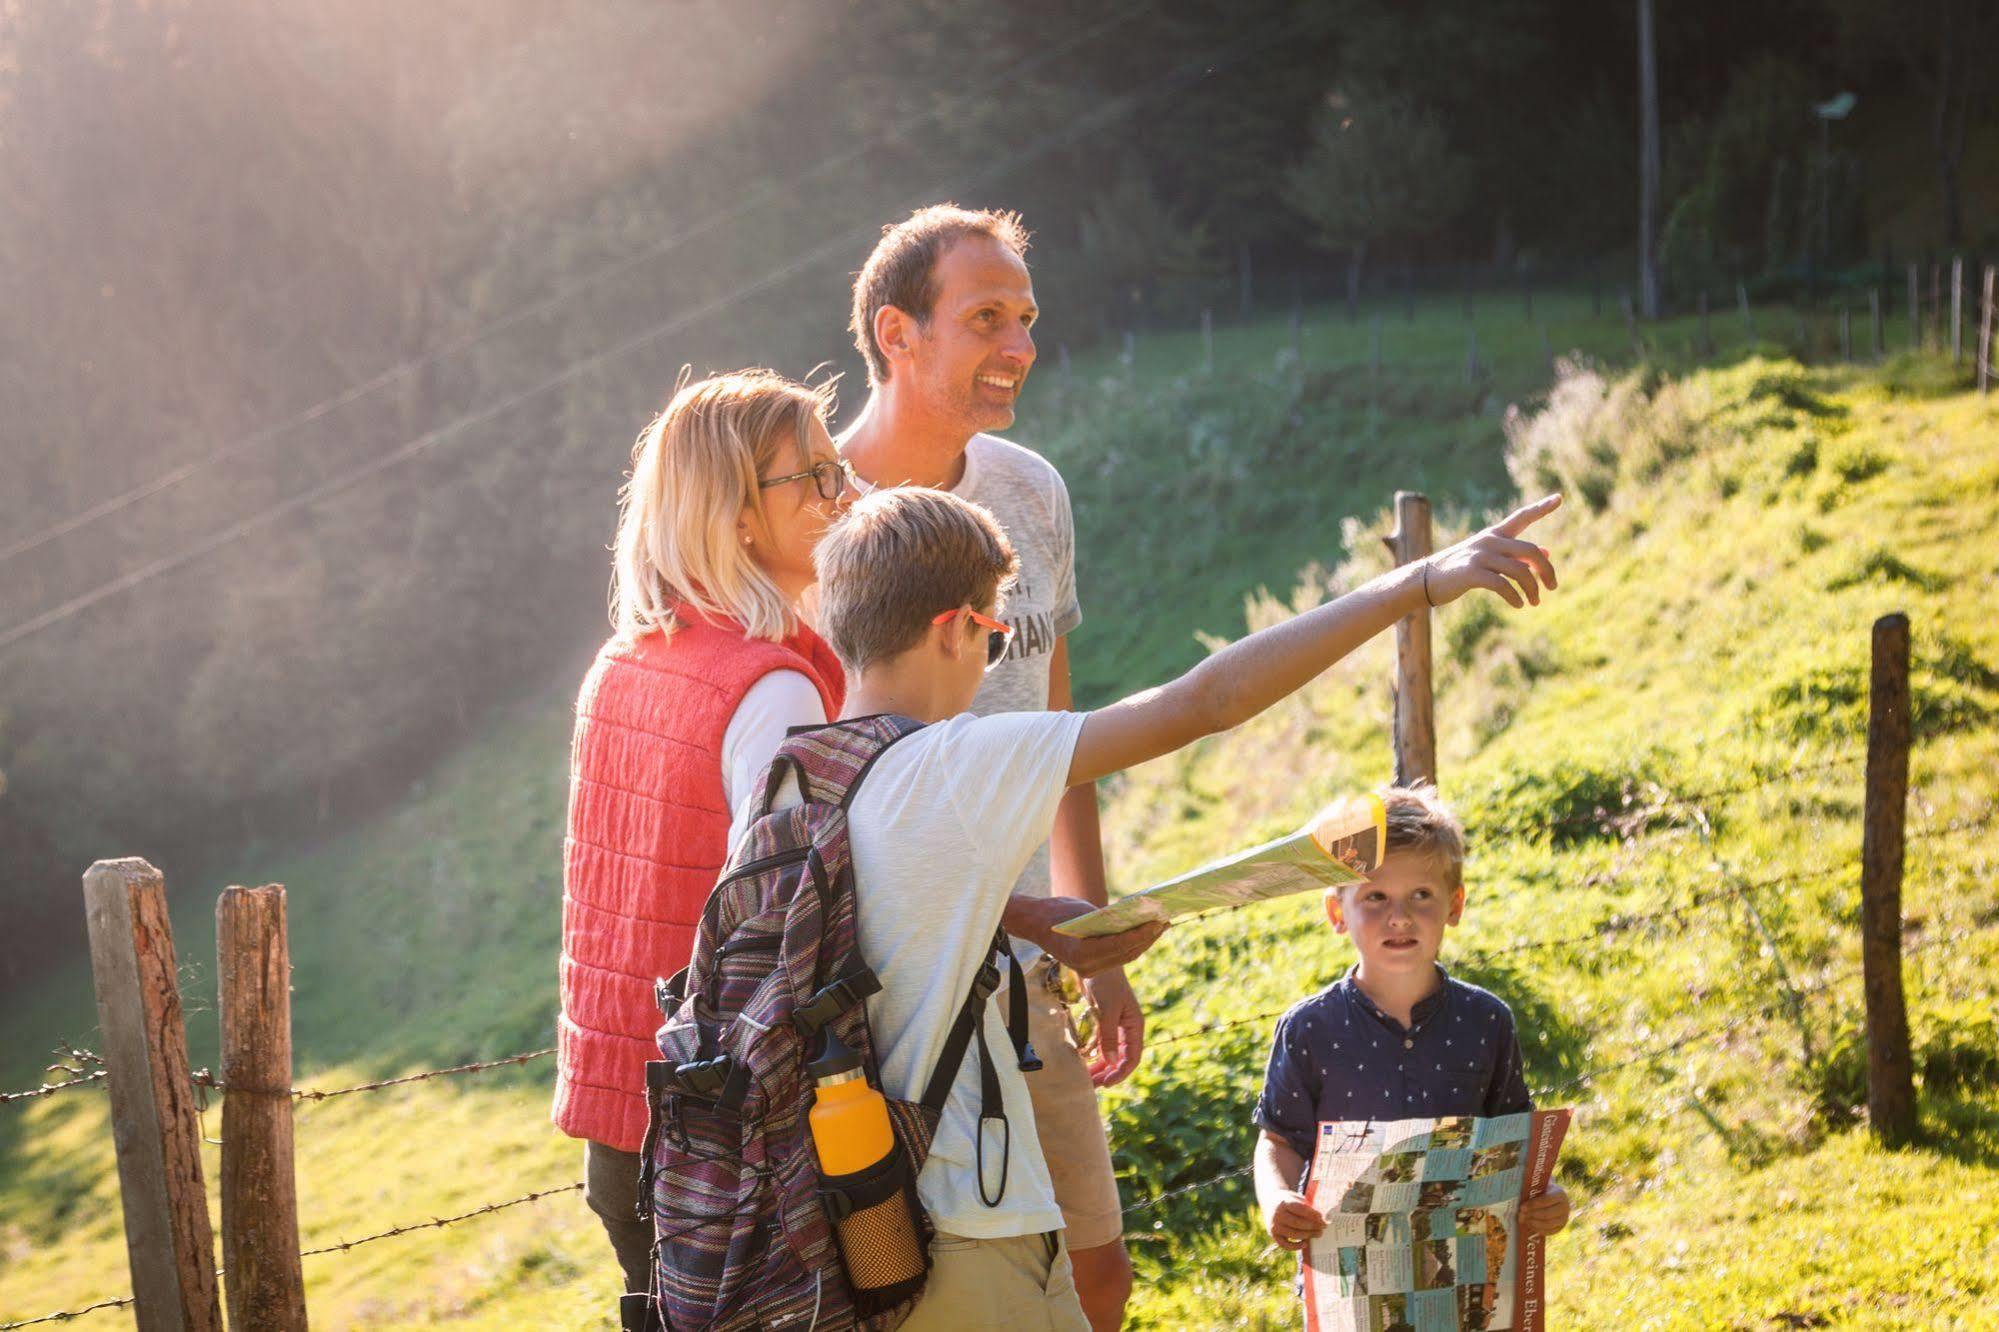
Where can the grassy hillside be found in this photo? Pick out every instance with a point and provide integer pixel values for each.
(1712, 635)
(1735, 532)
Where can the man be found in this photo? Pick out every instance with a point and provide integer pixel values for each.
(943, 311)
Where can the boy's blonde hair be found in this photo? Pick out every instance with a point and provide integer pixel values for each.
(694, 470)
(1420, 823)
(897, 560)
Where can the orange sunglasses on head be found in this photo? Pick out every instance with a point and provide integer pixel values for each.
(996, 641)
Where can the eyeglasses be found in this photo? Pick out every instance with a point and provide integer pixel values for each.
(996, 640)
(830, 477)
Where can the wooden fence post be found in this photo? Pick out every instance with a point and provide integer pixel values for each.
(260, 1254)
(155, 1128)
(1936, 305)
(1415, 709)
(1985, 317)
(1915, 308)
(1891, 1098)
(1957, 309)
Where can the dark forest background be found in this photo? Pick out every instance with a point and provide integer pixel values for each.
(248, 251)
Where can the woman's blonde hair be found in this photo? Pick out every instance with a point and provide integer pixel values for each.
(694, 470)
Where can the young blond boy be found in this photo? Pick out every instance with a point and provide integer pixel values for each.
(1397, 1037)
(910, 581)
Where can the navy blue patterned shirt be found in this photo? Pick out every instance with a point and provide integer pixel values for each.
(1337, 1056)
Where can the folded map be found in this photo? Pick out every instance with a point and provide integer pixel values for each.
(1339, 844)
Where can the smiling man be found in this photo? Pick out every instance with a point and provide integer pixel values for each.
(943, 312)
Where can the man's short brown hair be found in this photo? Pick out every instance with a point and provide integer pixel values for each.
(898, 559)
(903, 269)
(1420, 823)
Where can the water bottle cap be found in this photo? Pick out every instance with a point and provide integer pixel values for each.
(834, 1058)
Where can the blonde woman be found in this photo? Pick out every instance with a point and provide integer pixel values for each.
(731, 488)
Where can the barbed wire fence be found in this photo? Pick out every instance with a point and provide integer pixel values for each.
(1638, 811)
(1649, 1055)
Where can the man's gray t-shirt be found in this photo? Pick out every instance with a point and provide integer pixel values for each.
(1025, 492)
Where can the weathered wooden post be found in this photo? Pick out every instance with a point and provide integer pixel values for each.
(1985, 318)
(260, 1254)
(1891, 1096)
(155, 1128)
(1936, 305)
(1915, 307)
(1415, 712)
(1957, 309)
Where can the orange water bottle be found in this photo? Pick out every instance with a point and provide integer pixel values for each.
(863, 1179)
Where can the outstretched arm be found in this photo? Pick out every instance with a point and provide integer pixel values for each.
(1249, 675)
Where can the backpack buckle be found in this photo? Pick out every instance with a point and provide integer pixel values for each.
(833, 1000)
(704, 1078)
(667, 992)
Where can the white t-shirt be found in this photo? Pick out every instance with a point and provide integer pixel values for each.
(1025, 493)
(777, 702)
(941, 829)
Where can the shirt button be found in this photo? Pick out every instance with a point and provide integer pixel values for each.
(1408, 1044)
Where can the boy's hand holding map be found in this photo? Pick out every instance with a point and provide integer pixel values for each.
(1341, 843)
(1432, 1223)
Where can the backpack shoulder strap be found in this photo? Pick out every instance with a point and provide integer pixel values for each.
(969, 1028)
(829, 761)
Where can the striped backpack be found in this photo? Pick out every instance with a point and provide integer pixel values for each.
(743, 1224)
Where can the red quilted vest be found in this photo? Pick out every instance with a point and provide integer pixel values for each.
(648, 831)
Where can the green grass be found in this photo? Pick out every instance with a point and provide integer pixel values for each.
(1747, 524)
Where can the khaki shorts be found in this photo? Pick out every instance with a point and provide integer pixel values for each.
(1065, 1113)
(1018, 1284)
